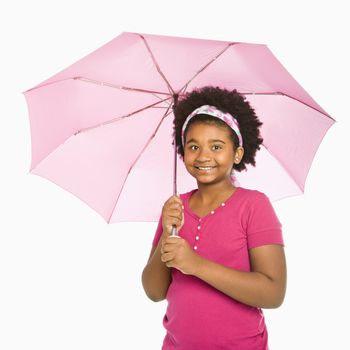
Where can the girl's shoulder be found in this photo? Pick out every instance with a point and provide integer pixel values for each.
(253, 197)
(252, 194)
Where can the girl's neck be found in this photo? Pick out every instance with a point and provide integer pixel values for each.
(212, 193)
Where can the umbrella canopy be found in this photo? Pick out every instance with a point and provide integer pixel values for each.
(103, 128)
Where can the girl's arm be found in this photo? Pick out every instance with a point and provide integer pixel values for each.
(156, 276)
(263, 287)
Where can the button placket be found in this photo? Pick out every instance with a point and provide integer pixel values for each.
(195, 247)
(197, 234)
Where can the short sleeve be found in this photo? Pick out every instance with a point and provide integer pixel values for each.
(263, 225)
(158, 233)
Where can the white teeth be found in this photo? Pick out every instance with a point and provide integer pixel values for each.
(207, 168)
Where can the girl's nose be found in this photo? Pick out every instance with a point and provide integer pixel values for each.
(203, 155)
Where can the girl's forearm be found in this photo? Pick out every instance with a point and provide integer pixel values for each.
(156, 276)
(251, 288)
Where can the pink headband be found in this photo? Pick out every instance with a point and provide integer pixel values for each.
(213, 111)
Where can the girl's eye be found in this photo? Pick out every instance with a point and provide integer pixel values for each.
(218, 147)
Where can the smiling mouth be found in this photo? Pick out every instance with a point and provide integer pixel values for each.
(204, 168)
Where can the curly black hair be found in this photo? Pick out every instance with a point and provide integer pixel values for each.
(228, 102)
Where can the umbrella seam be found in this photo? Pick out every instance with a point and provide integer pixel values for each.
(119, 118)
(284, 167)
(206, 65)
(137, 158)
(289, 96)
(171, 90)
(87, 80)
(94, 127)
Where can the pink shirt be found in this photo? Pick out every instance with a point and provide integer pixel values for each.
(198, 316)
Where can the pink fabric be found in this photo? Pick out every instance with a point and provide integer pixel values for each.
(83, 142)
(199, 316)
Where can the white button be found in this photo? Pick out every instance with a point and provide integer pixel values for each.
(197, 238)
(199, 227)
(195, 247)
(223, 204)
(212, 212)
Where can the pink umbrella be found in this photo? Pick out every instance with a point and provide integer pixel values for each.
(103, 127)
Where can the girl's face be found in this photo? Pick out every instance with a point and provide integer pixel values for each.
(208, 153)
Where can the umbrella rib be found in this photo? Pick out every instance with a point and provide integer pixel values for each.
(122, 117)
(171, 90)
(206, 65)
(167, 112)
(102, 83)
(283, 166)
(291, 97)
(169, 104)
(87, 80)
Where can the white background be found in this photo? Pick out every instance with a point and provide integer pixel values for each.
(68, 280)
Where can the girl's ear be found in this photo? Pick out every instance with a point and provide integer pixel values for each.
(238, 155)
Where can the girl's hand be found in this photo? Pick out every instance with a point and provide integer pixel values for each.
(176, 252)
(172, 214)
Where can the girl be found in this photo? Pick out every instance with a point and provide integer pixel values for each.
(228, 261)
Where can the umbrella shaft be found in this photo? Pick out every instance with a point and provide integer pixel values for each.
(175, 98)
(173, 232)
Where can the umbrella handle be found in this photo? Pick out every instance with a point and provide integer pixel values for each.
(173, 232)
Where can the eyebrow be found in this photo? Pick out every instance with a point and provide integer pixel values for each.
(211, 140)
